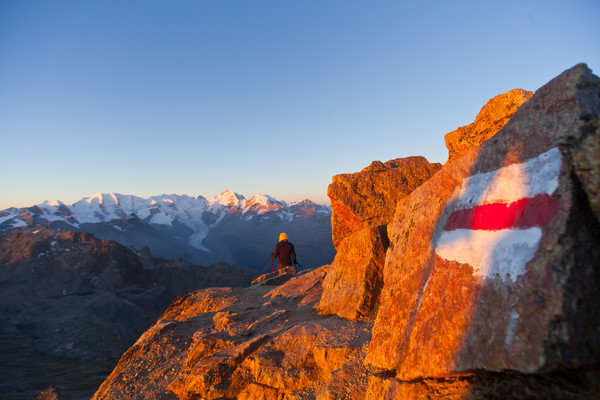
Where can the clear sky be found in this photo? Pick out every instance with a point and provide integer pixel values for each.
(258, 97)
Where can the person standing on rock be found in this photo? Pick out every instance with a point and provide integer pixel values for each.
(284, 252)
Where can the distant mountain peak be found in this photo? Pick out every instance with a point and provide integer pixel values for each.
(53, 203)
(263, 200)
(227, 199)
(102, 198)
(304, 203)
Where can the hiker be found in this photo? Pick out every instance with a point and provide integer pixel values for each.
(284, 252)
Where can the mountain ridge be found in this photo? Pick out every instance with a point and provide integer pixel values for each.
(57, 210)
(182, 226)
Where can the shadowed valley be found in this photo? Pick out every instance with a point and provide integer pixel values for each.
(71, 304)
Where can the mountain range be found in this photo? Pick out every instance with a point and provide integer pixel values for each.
(225, 228)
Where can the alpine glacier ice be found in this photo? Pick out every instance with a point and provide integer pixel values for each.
(196, 213)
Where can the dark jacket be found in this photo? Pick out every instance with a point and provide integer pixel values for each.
(286, 253)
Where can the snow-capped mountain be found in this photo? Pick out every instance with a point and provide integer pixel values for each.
(196, 229)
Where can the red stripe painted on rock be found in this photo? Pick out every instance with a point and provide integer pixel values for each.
(522, 214)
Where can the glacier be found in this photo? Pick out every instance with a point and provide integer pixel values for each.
(199, 214)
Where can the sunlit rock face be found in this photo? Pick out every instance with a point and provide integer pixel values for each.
(255, 343)
(492, 117)
(368, 198)
(352, 286)
(495, 259)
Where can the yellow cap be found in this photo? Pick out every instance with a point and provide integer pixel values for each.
(282, 236)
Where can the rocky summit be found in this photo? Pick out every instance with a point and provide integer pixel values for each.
(492, 117)
(483, 283)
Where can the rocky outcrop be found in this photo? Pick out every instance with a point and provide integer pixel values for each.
(492, 117)
(490, 288)
(69, 299)
(276, 278)
(255, 343)
(368, 198)
(495, 258)
(48, 394)
(352, 286)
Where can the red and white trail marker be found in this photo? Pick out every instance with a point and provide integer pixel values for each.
(496, 221)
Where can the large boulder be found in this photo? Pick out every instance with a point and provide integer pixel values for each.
(492, 117)
(494, 262)
(352, 285)
(368, 198)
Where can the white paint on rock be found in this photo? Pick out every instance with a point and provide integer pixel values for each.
(537, 175)
(490, 253)
(504, 252)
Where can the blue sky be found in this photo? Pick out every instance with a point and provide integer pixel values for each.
(258, 97)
